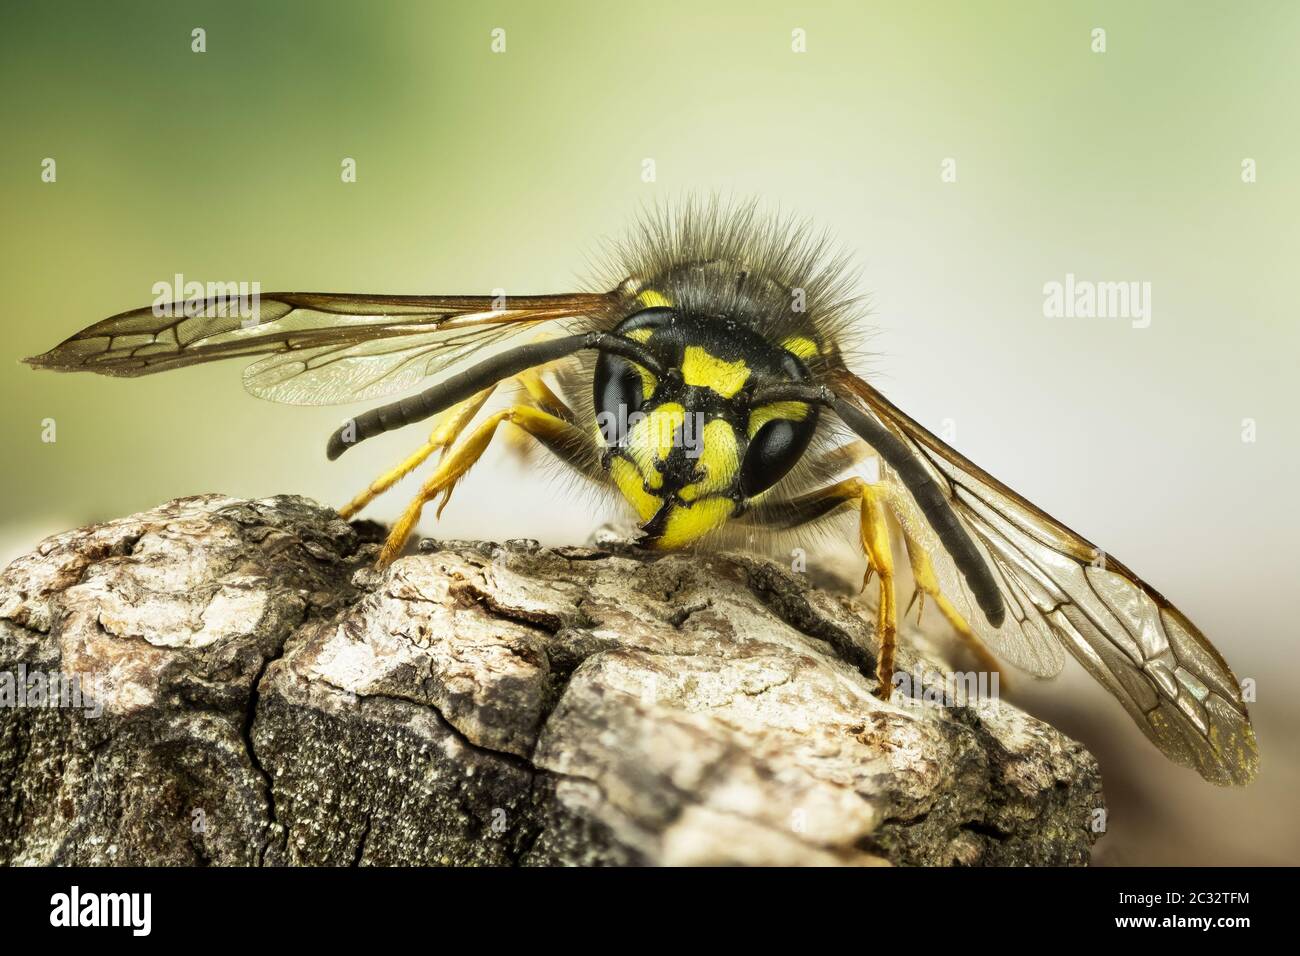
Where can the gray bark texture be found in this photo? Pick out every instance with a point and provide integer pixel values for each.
(266, 698)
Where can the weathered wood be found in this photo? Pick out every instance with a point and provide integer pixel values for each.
(267, 698)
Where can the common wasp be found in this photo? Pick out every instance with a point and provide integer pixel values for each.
(710, 390)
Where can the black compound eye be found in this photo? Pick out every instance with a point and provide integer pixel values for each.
(619, 392)
(619, 385)
(773, 451)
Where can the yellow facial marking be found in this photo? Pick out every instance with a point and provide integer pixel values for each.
(663, 423)
(629, 482)
(686, 523)
(641, 335)
(705, 370)
(800, 347)
(651, 439)
(793, 411)
(719, 460)
(653, 300)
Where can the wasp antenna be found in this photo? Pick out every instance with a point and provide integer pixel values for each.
(462, 385)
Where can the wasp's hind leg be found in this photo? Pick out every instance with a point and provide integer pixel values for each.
(928, 584)
(446, 428)
(566, 440)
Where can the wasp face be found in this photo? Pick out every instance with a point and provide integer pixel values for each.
(690, 450)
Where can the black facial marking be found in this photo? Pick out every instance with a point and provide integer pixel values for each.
(619, 392)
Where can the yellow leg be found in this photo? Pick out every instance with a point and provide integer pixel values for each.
(927, 583)
(874, 532)
(541, 425)
(446, 428)
(541, 394)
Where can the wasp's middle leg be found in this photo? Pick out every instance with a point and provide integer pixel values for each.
(873, 500)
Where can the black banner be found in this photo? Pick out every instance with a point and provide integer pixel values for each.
(882, 906)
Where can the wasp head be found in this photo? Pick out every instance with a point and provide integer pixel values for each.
(689, 449)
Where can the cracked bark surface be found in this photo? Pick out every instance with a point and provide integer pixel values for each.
(270, 699)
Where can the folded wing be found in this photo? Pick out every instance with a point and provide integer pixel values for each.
(1062, 593)
(315, 348)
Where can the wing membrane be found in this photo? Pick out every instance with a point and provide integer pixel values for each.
(316, 348)
(1064, 594)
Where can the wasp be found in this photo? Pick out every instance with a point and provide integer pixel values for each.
(710, 390)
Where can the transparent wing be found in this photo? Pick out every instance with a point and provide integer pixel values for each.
(1063, 592)
(318, 348)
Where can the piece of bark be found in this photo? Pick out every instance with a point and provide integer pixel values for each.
(268, 698)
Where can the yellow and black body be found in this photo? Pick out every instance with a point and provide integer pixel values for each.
(691, 449)
(710, 388)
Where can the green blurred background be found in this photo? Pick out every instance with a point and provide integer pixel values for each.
(479, 170)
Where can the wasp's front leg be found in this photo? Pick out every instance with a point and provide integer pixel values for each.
(446, 428)
(874, 536)
(449, 425)
(565, 440)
